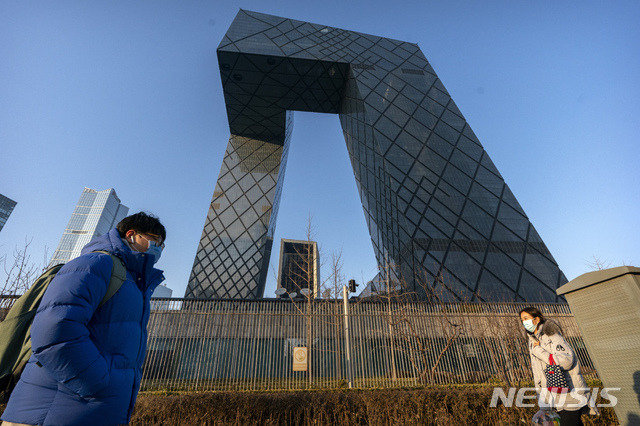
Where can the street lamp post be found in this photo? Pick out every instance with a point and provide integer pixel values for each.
(347, 345)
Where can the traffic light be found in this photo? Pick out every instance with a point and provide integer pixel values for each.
(352, 286)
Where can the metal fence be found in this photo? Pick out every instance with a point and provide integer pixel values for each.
(249, 344)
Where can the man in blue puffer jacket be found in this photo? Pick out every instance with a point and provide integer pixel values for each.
(87, 360)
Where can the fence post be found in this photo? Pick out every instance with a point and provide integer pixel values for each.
(347, 344)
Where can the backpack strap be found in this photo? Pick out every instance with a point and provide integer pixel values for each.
(118, 277)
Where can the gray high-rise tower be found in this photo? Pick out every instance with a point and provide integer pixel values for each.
(440, 215)
(6, 207)
(299, 267)
(95, 214)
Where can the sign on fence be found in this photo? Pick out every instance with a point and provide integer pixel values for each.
(300, 359)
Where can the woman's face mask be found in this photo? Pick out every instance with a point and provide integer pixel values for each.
(529, 325)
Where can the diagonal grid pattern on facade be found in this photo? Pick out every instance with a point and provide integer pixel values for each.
(441, 218)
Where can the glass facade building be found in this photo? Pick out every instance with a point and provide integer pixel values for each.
(6, 207)
(299, 266)
(441, 218)
(96, 213)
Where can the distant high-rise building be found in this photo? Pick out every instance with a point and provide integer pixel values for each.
(96, 213)
(442, 220)
(299, 266)
(6, 207)
(161, 292)
(378, 285)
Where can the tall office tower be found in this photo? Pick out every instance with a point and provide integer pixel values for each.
(6, 207)
(441, 218)
(161, 292)
(299, 266)
(96, 213)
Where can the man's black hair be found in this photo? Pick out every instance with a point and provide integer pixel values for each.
(142, 223)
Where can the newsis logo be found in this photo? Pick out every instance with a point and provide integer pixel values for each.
(524, 397)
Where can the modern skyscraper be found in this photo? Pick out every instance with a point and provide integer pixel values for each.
(96, 213)
(299, 266)
(161, 292)
(6, 207)
(441, 218)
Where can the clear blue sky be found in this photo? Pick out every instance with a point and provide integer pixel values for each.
(127, 94)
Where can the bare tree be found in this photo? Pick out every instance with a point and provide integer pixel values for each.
(597, 264)
(332, 293)
(300, 271)
(20, 272)
(502, 336)
(406, 333)
(317, 299)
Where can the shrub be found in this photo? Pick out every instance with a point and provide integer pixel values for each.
(429, 406)
(442, 405)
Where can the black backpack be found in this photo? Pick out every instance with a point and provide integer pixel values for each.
(15, 330)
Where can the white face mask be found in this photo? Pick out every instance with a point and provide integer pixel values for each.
(529, 325)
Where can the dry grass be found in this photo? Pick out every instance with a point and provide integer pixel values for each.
(455, 405)
(429, 406)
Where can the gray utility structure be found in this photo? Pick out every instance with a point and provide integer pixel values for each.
(441, 218)
(606, 305)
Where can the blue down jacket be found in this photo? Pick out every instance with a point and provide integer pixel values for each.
(87, 361)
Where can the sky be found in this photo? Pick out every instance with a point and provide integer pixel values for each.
(127, 95)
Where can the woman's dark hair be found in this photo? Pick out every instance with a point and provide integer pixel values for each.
(142, 223)
(534, 312)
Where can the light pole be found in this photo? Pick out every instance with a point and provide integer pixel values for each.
(347, 345)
